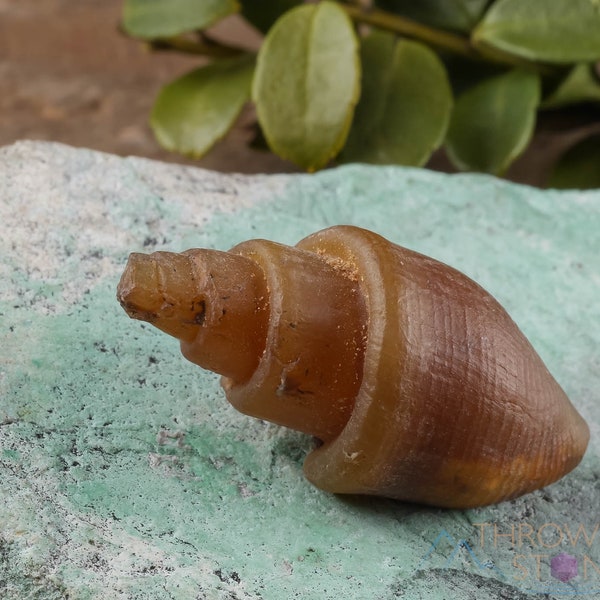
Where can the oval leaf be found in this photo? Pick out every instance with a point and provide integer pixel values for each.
(493, 122)
(580, 85)
(459, 15)
(198, 109)
(307, 83)
(560, 31)
(163, 18)
(579, 167)
(405, 104)
(263, 14)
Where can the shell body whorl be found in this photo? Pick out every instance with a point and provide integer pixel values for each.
(466, 413)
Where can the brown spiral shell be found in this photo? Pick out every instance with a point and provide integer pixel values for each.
(418, 383)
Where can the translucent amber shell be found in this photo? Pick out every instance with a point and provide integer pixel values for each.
(417, 382)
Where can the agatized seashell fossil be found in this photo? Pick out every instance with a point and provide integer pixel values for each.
(416, 381)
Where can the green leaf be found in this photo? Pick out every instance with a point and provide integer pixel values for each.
(580, 85)
(262, 14)
(198, 109)
(579, 167)
(560, 31)
(163, 18)
(493, 122)
(405, 105)
(307, 83)
(459, 15)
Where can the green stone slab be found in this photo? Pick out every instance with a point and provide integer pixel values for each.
(126, 474)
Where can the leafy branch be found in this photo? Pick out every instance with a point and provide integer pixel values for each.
(441, 39)
(471, 75)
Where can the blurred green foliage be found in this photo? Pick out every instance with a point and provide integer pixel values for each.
(387, 83)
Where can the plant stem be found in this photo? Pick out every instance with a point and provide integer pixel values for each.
(203, 46)
(398, 24)
(444, 40)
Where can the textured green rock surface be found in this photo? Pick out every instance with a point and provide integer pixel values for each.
(125, 473)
